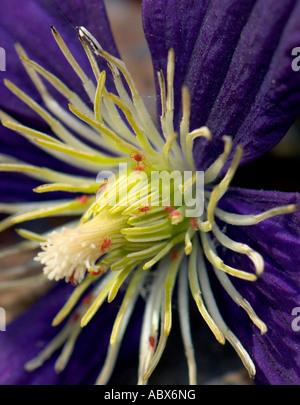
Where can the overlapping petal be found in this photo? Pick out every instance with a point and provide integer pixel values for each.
(29, 24)
(31, 332)
(276, 293)
(235, 57)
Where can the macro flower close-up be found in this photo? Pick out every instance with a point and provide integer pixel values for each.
(128, 226)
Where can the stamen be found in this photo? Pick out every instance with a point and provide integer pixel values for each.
(151, 319)
(68, 347)
(79, 188)
(216, 261)
(141, 110)
(42, 173)
(169, 287)
(188, 243)
(101, 293)
(132, 291)
(54, 124)
(162, 86)
(219, 190)
(245, 220)
(32, 68)
(87, 83)
(256, 258)
(170, 93)
(185, 122)
(196, 293)
(242, 302)
(70, 207)
(197, 133)
(168, 147)
(32, 281)
(93, 159)
(159, 349)
(47, 352)
(110, 112)
(24, 233)
(90, 55)
(33, 136)
(120, 325)
(140, 134)
(123, 274)
(111, 138)
(213, 171)
(185, 325)
(212, 307)
(73, 299)
(98, 97)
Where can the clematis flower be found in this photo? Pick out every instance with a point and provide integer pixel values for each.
(226, 94)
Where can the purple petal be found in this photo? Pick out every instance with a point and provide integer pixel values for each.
(30, 333)
(29, 23)
(229, 57)
(276, 293)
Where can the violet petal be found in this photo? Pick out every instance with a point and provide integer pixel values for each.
(29, 23)
(29, 334)
(275, 294)
(236, 60)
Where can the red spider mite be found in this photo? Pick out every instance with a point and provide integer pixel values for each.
(87, 299)
(83, 199)
(106, 244)
(174, 214)
(152, 341)
(101, 270)
(144, 209)
(138, 157)
(140, 167)
(72, 279)
(174, 255)
(75, 316)
(95, 273)
(193, 222)
(169, 209)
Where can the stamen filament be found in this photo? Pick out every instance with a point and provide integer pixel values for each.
(68, 348)
(213, 171)
(73, 299)
(242, 302)
(245, 220)
(189, 140)
(86, 82)
(169, 287)
(216, 261)
(254, 256)
(132, 290)
(185, 325)
(151, 319)
(142, 112)
(219, 190)
(197, 295)
(100, 298)
(185, 121)
(212, 307)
